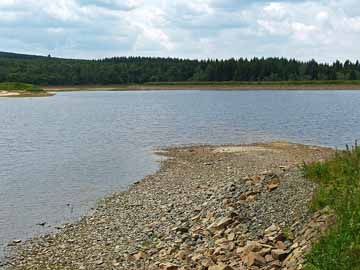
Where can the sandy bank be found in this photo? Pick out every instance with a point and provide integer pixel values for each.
(18, 94)
(197, 212)
(9, 94)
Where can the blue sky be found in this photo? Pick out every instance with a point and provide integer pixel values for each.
(324, 29)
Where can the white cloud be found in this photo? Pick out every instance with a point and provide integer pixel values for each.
(64, 10)
(275, 10)
(5, 3)
(353, 24)
(322, 16)
(325, 30)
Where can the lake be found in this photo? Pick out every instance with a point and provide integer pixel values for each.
(59, 155)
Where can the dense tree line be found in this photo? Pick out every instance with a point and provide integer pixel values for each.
(128, 70)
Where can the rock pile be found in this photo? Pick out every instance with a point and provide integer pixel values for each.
(275, 250)
(220, 239)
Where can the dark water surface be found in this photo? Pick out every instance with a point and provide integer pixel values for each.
(58, 155)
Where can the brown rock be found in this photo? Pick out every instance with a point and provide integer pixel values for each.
(264, 251)
(276, 264)
(279, 254)
(168, 266)
(181, 255)
(252, 246)
(220, 267)
(231, 237)
(218, 251)
(243, 197)
(280, 237)
(255, 259)
(248, 196)
(273, 184)
(251, 198)
(258, 178)
(271, 229)
(99, 262)
(115, 263)
(220, 224)
(294, 246)
(207, 262)
(280, 245)
(197, 257)
(269, 258)
(163, 253)
(139, 256)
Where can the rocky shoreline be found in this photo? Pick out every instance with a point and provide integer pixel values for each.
(208, 207)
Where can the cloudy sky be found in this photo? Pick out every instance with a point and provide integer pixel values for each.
(325, 29)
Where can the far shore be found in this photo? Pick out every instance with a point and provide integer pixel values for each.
(215, 87)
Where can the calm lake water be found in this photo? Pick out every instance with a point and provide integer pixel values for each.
(58, 155)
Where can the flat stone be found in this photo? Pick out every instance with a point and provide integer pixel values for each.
(220, 224)
(268, 258)
(273, 184)
(99, 262)
(168, 266)
(271, 229)
(220, 267)
(255, 259)
(280, 245)
(139, 256)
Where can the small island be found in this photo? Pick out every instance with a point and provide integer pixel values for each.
(11, 89)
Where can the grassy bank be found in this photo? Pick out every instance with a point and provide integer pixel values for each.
(14, 89)
(9, 86)
(339, 188)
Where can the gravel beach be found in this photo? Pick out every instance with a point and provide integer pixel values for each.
(208, 207)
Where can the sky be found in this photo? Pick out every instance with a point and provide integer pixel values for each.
(324, 30)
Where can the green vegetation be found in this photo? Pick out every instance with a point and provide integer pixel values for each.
(41, 70)
(20, 87)
(13, 89)
(339, 188)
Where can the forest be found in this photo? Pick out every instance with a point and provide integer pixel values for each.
(47, 70)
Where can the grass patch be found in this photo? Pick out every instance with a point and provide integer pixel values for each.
(14, 86)
(288, 233)
(339, 188)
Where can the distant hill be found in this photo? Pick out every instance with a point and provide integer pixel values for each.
(43, 70)
(19, 56)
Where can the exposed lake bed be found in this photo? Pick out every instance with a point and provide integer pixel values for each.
(195, 188)
(104, 141)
